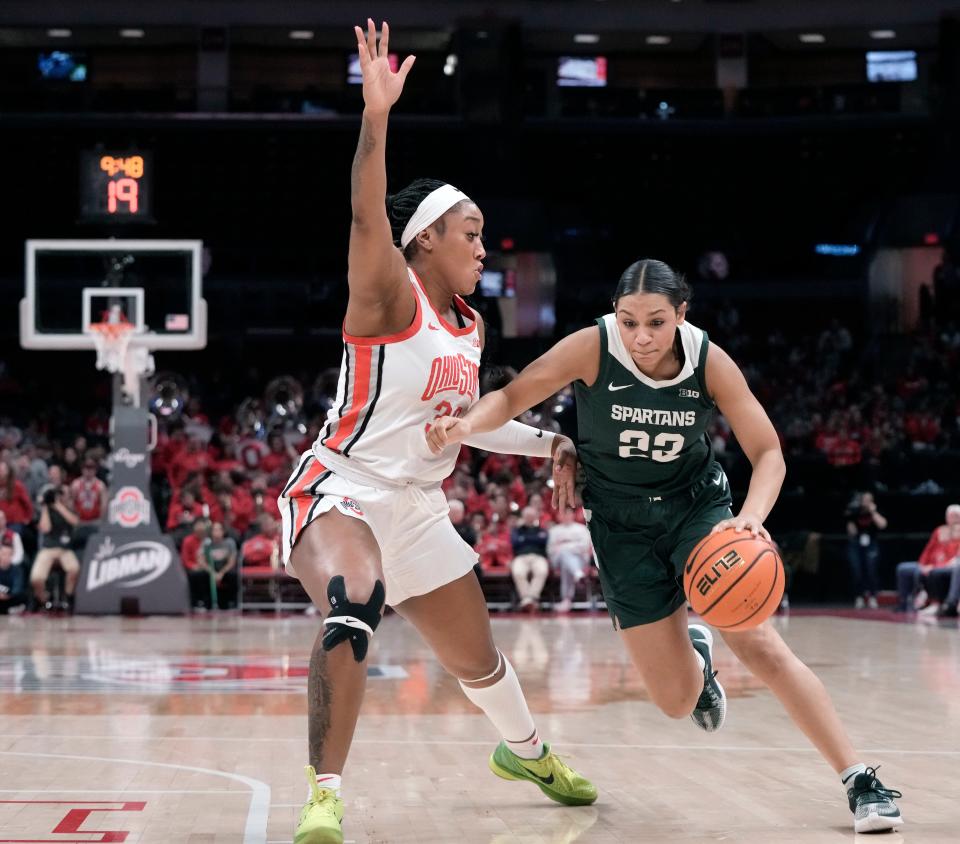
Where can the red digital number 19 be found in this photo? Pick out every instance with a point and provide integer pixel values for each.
(123, 190)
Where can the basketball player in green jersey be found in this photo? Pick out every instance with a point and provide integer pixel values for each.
(647, 382)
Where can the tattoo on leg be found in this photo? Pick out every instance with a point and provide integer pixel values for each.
(319, 701)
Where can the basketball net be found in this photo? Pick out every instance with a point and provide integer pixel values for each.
(112, 341)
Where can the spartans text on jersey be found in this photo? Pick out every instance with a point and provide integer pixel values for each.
(644, 415)
(452, 372)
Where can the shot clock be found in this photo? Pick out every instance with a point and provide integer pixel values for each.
(115, 186)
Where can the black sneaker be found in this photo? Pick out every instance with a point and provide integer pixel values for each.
(872, 804)
(711, 708)
(948, 611)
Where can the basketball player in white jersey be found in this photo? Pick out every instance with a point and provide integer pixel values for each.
(364, 519)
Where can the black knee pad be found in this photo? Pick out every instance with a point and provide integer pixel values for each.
(348, 620)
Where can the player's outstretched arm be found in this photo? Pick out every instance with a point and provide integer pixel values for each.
(756, 435)
(576, 357)
(377, 271)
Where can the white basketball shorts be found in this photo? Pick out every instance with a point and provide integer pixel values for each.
(419, 549)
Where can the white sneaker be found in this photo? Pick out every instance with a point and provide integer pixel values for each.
(859, 603)
(921, 600)
(930, 609)
(872, 603)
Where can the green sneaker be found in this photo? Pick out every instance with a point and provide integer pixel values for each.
(872, 804)
(549, 773)
(320, 817)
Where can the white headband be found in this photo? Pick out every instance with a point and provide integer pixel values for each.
(433, 207)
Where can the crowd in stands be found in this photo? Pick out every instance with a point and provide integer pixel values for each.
(868, 412)
(216, 477)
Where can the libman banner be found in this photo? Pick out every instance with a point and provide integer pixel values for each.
(130, 563)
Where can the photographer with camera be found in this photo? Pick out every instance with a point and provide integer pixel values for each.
(864, 522)
(56, 525)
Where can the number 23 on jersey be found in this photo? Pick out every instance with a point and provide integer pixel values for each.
(666, 447)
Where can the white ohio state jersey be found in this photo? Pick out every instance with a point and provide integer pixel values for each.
(392, 388)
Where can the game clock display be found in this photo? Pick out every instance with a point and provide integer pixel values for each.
(116, 186)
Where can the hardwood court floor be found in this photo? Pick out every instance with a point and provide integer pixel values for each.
(192, 730)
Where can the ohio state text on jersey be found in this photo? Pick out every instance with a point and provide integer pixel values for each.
(392, 388)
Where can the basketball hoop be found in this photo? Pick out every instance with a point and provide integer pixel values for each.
(111, 340)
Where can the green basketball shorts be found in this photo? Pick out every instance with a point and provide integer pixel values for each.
(642, 545)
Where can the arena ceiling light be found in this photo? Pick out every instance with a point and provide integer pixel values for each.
(59, 33)
(883, 34)
(812, 37)
(132, 33)
(301, 34)
(585, 38)
(658, 40)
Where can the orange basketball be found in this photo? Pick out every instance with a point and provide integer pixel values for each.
(733, 581)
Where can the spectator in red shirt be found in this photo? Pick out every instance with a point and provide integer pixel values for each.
(843, 450)
(88, 498)
(197, 575)
(280, 459)
(262, 550)
(265, 496)
(192, 542)
(88, 494)
(14, 499)
(169, 445)
(184, 511)
(494, 548)
(921, 428)
(942, 549)
(193, 460)
(478, 502)
(500, 505)
(517, 492)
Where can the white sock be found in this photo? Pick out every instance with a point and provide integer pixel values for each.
(530, 748)
(849, 775)
(504, 704)
(331, 781)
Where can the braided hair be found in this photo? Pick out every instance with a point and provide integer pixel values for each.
(401, 206)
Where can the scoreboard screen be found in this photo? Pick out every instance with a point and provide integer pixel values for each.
(116, 186)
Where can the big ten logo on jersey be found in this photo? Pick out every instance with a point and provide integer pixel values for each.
(452, 373)
(129, 508)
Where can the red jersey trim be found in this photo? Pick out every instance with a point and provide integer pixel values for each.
(360, 397)
(308, 479)
(459, 304)
(406, 334)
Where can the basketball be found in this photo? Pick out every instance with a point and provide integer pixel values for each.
(734, 581)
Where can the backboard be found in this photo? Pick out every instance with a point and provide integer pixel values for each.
(157, 284)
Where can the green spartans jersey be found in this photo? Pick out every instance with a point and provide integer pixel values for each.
(640, 437)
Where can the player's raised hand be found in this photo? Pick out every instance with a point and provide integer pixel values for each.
(564, 454)
(447, 431)
(381, 86)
